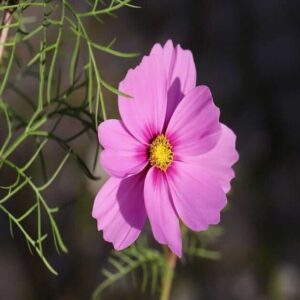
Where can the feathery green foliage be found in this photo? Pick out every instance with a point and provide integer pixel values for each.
(152, 263)
(35, 37)
(148, 261)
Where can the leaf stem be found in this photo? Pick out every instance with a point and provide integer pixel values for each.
(6, 21)
(167, 279)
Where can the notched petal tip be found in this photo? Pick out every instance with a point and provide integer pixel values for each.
(169, 45)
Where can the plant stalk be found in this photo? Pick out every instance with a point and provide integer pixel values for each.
(167, 280)
(6, 21)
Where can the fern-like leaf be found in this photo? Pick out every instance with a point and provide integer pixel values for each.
(148, 261)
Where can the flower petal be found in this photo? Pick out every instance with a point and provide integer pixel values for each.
(218, 161)
(197, 197)
(194, 127)
(120, 211)
(163, 218)
(123, 155)
(122, 164)
(144, 113)
(181, 73)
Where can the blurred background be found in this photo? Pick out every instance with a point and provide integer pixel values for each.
(247, 52)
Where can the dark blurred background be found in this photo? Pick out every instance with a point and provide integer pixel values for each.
(247, 52)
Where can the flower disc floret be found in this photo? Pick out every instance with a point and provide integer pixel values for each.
(160, 153)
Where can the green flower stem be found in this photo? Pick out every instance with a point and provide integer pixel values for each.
(167, 279)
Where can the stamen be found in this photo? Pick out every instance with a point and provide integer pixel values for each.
(160, 153)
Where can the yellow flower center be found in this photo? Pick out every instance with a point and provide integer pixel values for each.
(160, 153)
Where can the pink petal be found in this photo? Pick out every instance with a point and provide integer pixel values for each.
(120, 211)
(144, 113)
(194, 128)
(123, 155)
(181, 71)
(218, 161)
(197, 197)
(163, 218)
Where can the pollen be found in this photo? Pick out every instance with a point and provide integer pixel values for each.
(160, 153)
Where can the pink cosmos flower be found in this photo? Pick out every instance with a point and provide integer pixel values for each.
(169, 157)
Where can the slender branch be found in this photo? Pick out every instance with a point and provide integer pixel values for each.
(171, 260)
(6, 21)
